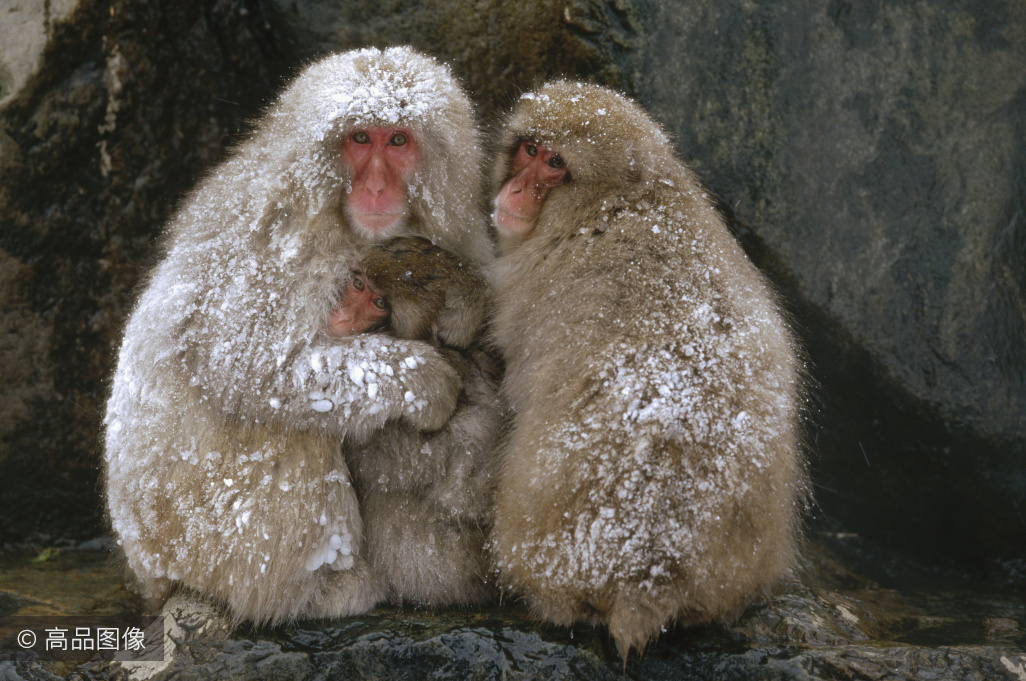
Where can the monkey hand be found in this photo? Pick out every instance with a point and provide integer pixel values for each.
(432, 392)
(459, 361)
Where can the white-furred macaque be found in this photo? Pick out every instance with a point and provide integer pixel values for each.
(425, 498)
(224, 466)
(653, 471)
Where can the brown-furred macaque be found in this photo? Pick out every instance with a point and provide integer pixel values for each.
(417, 290)
(225, 470)
(652, 473)
(425, 497)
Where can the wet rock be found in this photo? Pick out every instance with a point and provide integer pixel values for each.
(834, 620)
(65, 583)
(1000, 628)
(198, 644)
(830, 623)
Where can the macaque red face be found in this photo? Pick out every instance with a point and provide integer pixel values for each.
(361, 308)
(380, 161)
(536, 170)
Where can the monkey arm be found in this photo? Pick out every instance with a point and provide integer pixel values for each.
(452, 467)
(243, 334)
(350, 386)
(367, 380)
(347, 387)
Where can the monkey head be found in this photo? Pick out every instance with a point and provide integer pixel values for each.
(382, 143)
(534, 170)
(572, 149)
(412, 289)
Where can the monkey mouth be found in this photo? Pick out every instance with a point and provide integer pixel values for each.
(376, 223)
(512, 223)
(378, 214)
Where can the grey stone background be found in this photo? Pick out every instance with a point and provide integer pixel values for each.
(869, 155)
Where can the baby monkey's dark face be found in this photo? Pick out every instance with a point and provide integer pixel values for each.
(361, 308)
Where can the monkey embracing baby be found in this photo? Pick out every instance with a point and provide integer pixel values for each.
(231, 406)
(651, 472)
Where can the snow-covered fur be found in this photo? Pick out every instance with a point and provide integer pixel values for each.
(224, 469)
(653, 472)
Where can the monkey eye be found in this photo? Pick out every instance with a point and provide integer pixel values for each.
(361, 137)
(556, 162)
(380, 303)
(531, 150)
(397, 140)
(358, 283)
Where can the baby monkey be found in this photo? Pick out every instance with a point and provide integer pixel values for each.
(425, 498)
(414, 290)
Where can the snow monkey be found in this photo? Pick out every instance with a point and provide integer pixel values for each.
(425, 498)
(415, 289)
(653, 472)
(225, 469)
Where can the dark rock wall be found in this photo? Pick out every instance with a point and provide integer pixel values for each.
(869, 154)
(496, 48)
(134, 101)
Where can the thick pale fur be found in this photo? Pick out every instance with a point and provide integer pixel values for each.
(224, 467)
(653, 472)
(426, 497)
